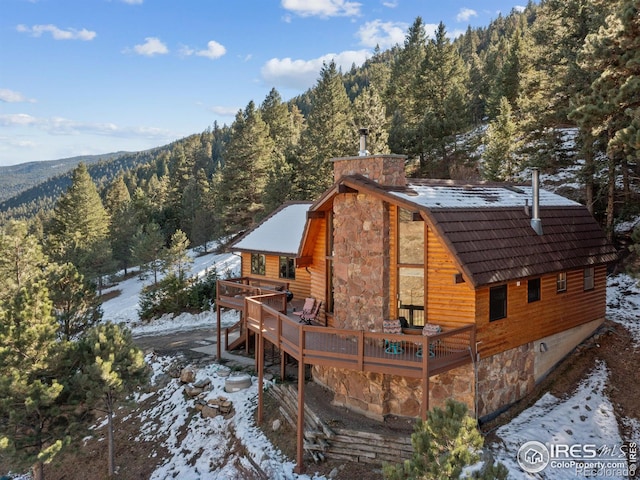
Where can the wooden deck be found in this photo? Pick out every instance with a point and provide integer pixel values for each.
(360, 350)
(264, 314)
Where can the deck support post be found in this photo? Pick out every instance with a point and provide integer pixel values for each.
(299, 468)
(424, 408)
(260, 357)
(219, 335)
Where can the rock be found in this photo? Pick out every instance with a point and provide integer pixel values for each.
(209, 411)
(334, 473)
(187, 375)
(275, 426)
(192, 391)
(203, 384)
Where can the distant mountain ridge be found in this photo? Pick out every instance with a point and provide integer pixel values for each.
(38, 185)
(15, 179)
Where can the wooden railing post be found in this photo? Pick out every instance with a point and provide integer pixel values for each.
(424, 407)
(361, 350)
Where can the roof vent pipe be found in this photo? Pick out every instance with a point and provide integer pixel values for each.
(363, 142)
(536, 223)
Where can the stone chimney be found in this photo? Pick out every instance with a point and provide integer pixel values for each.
(387, 170)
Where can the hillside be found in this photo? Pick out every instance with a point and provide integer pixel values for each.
(15, 179)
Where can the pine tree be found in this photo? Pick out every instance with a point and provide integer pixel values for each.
(76, 305)
(499, 159)
(369, 112)
(175, 258)
(243, 177)
(111, 368)
(610, 106)
(80, 222)
(147, 249)
(442, 446)
(443, 96)
(33, 426)
(329, 134)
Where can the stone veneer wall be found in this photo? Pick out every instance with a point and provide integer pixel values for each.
(360, 262)
(376, 395)
(505, 378)
(383, 169)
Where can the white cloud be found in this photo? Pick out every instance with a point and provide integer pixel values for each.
(322, 8)
(519, 8)
(384, 34)
(11, 96)
(393, 4)
(152, 46)
(224, 111)
(214, 50)
(64, 126)
(133, 2)
(465, 14)
(302, 74)
(57, 33)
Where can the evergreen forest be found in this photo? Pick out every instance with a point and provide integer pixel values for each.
(554, 86)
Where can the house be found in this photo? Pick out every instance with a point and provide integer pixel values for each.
(379, 245)
(269, 249)
(514, 276)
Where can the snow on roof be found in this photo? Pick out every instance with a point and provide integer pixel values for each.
(479, 196)
(279, 233)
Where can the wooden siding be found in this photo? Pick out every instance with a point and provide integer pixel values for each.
(318, 275)
(553, 313)
(447, 303)
(300, 287)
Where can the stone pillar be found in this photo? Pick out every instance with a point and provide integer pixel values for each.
(360, 262)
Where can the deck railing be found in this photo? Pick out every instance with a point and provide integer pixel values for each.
(415, 356)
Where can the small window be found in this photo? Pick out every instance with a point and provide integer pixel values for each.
(497, 303)
(258, 264)
(533, 289)
(561, 282)
(287, 268)
(589, 278)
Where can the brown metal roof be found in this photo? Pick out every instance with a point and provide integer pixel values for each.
(497, 245)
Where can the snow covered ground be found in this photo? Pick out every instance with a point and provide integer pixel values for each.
(585, 418)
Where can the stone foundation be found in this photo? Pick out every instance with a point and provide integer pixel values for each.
(377, 395)
(505, 378)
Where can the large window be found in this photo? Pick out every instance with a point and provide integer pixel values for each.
(533, 290)
(497, 303)
(288, 268)
(258, 264)
(589, 278)
(411, 281)
(561, 282)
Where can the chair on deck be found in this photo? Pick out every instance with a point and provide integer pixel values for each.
(307, 308)
(429, 330)
(390, 346)
(309, 317)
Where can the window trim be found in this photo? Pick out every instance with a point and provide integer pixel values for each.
(493, 316)
(561, 282)
(533, 292)
(589, 278)
(289, 264)
(258, 264)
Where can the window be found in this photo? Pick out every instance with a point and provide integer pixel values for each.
(561, 282)
(589, 276)
(287, 268)
(410, 267)
(533, 290)
(497, 303)
(258, 264)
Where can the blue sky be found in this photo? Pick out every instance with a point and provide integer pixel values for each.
(82, 77)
